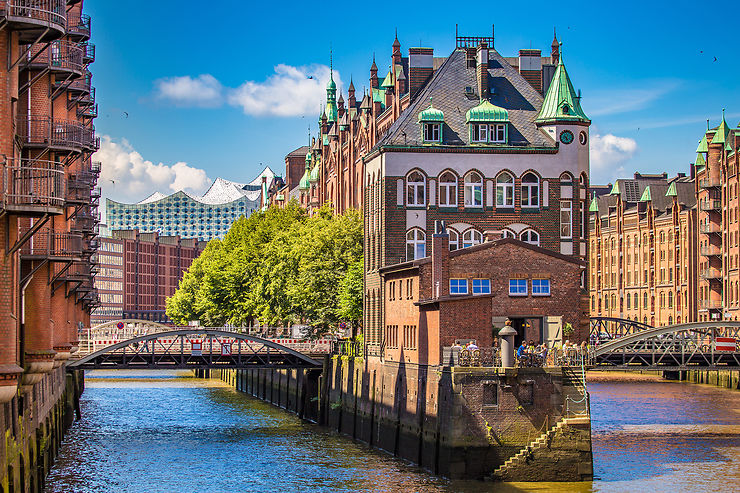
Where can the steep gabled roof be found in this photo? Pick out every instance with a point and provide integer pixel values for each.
(447, 85)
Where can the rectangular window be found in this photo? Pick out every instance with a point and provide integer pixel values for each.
(566, 219)
(517, 287)
(481, 286)
(431, 132)
(540, 287)
(458, 286)
(480, 133)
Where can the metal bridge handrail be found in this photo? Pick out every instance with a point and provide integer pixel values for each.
(584, 394)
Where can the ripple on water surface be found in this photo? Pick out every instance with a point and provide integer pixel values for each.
(168, 432)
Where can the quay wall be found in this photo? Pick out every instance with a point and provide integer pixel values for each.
(458, 422)
(727, 379)
(33, 425)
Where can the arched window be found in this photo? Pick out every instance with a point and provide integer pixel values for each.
(505, 190)
(566, 179)
(473, 190)
(628, 301)
(416, 244)
(454, 239)
(507, 233)
(652, 303)
(415, 189)
(644, 301)
(448, 189)
(593, 302)
(670, 299)
(662, 300)
(530, 190)
(606, 302)
(644, 320)
(583, 180)
(530, 236)
(670, 320)
(472, 237)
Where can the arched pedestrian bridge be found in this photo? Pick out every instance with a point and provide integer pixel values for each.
(140, 344)
(624, 344)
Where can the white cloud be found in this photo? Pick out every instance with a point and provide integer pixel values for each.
(289, 91)
(608, 155)
(203, 91)
(127, 177)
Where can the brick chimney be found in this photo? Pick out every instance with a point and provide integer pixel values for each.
(421, 66)
(482, 70)
(530, 66)
(440, 260)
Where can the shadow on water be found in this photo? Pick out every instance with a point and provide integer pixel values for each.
(144, 432)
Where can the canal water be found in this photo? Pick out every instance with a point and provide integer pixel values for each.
(168, 432)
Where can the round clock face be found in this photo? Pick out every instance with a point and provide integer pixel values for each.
(566, 136)
(583, 138)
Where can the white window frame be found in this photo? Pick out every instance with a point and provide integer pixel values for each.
(416, 243)
(566, 219)
(448, 190)
(481, 286)
(505, 191)
(454, 243)
(479, 132)
(497, 133)
(540, 287)
(526, 237)
(458, 287)
(507, 233)
(515, 287)
(530, 192)
(470, 190)
(416, 190)
(472, 237)
(430, 129)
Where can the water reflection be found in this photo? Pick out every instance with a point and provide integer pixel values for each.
(167, 432)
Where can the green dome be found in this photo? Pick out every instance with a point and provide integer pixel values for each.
(308, 158)
(304, 184)
(431, 114)
(314, 176)
(331, 85)
(486, 112)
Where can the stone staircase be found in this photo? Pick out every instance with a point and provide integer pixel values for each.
(526, 453)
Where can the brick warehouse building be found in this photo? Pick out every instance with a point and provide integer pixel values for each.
(643, 250)
(448, 296)
(672, 244)
(138, 272)
(49, 208)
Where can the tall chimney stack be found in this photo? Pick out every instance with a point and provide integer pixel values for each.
(440, 260)
(482, 70)
(421, 67)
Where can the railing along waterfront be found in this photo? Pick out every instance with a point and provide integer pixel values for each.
(352, 349)
(581, 406)
(52, 132)
(33, 183)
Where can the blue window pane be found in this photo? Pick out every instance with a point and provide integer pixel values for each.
(518, 287)
(458, 286)
(541, 287)
(481, 286)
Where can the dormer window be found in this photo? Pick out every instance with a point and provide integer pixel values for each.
(432, 132)
(488, 124)
(431, 120)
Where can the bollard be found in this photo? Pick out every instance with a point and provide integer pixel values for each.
(507, 346)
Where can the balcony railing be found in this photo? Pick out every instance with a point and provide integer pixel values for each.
(710, 305)
(86, 97)
(83, 84)
(88, 53)
(709, 251)
(710, 228)
(59, 56)
(48, 243)
(33, 185)
(88, 111)
(711, 273)
(79, 28)
(711, 205)
(41, 131)
(709, 183)
(33, 17)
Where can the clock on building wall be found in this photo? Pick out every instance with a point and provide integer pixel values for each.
(583, 138)
(566, 136)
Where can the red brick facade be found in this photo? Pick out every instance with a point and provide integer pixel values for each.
(422, 316)
(47, 189)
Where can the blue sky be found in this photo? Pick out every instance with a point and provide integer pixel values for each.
(189, 91)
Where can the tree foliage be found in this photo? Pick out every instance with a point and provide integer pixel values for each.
(280, 267)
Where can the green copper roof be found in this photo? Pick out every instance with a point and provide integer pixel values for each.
(720, 136)
(431, 114)
(615, 189)
(308, 158)
(672, 192)
(700, 160)
(594, 207)
(486, 112)
(389, 79)
(325, 140)
(331, 111)
(304, 184)
(703, 145)
(561, 101)
(314, 177)
(646, 195)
